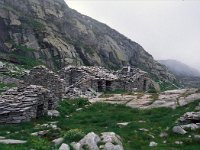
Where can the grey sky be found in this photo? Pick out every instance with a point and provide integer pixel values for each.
(166, 29)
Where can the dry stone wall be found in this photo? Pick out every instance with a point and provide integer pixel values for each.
(20, 105)
(41, 75)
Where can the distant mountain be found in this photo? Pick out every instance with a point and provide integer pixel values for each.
(179, 68)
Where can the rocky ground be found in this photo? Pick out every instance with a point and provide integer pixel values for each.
(82, 125)
(171, 98)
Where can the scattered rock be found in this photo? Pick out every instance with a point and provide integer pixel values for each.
(53, 113)
(111, 137)
(123, 124)
(64, 147)
(178, 142)
(110, 146)
(143, 129)
(179, 130)
(191, 126)
(2, 137)
(153, 144)
(40, 133)
(78, 109)
(58, 141)
(76, 146)
(163, 134)
(11, 141)
(90, 140)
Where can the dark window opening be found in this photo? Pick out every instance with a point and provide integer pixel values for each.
(40, 110)
(100, 86)
(108, 85)
(50, 105)
(145, 85)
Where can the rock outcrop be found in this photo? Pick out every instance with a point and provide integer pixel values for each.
(49, 32)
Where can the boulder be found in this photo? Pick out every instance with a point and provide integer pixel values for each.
(179, 130)
(110, 146)
(111, 137)
(91, 140)
(153, 144)
(64, 147)
(58, 141)
(53, 113)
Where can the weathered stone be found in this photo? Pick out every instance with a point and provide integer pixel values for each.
(179, 130)
(53, 113)
(23, 104)
(153, 144)
(163, 134)
(90, 140)
(11, 141)
(178, 142)
(40, 133)
(111, 137)
(58, 141)
(64, 147)
(76, 146)
(191, 126)
(123, 123)
(110, 146)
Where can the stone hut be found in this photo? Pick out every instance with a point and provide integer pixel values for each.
(98, 79)
(42, 76)
(21, 105)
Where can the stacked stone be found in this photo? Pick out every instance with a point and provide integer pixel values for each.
(41, 75)
(80, 80)
(20, 105)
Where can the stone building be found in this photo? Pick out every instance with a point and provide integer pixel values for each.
(85, 79)
(42, 76)
(20, 105)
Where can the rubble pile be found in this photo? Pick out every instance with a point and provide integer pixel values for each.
(19, 105)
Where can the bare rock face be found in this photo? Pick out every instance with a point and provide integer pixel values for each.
(57, 36)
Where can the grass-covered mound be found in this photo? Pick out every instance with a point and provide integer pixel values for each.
(101, 117)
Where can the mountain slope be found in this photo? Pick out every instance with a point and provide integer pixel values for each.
(179, 68)
(49, 32)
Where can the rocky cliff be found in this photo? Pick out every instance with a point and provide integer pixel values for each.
(48, 32)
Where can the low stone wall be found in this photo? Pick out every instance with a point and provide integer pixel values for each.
(20, 105)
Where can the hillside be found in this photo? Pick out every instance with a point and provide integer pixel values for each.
(179, 68)
(188, 76)
(48, 32)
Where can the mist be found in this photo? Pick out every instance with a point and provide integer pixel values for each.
(166, 29)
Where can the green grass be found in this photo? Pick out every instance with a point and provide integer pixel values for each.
(164, 86)
(24, 48)
(4, 86)
(101, 117)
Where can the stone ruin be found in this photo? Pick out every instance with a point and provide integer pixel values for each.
(42, 88)
(42, 76)
(20, 105)
(87, 81)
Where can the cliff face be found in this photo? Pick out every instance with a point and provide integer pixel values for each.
(49, 32)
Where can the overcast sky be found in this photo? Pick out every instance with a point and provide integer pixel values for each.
(166, 29)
